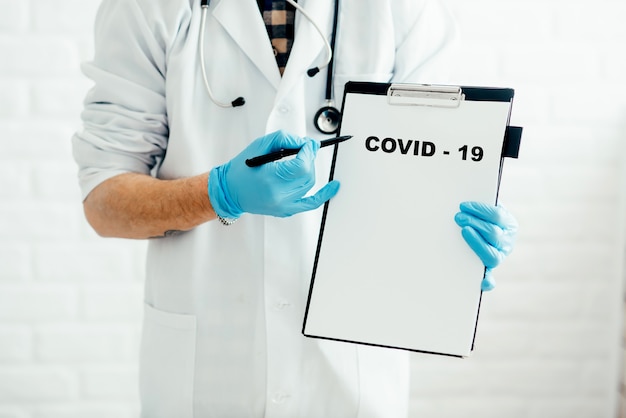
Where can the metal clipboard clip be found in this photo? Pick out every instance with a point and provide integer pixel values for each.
(425, 95)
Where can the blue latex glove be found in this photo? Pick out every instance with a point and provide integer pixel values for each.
(276, 188)
(490, 231)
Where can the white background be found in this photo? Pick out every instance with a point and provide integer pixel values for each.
(549, 336)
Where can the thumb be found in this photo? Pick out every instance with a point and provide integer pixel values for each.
(318, 199)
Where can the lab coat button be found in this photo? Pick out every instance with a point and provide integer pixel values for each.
(280, 305)
(280, 397)
(284, 109)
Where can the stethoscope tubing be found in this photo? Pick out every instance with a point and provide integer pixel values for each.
(326, 115)
(329, 48)
(331, 62)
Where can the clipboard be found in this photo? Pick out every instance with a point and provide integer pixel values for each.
(391, 268)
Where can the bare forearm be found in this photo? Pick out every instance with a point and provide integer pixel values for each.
(138, 206)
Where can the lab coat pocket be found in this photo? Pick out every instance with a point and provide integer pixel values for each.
(167, 358)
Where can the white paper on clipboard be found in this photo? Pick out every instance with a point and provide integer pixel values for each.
(392, 268)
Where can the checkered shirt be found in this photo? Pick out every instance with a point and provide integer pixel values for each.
(278, 16)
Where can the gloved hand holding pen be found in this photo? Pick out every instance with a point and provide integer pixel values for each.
(277, 188)
(490, 231)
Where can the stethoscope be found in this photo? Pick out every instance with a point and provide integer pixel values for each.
(327, 118)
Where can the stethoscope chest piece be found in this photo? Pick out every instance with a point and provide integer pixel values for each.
(327, 119)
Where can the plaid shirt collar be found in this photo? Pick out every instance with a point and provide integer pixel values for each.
(279, 17)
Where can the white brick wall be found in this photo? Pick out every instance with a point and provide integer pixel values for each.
(69, 301)
(549, 335)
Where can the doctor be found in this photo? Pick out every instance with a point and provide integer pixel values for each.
(158, 157)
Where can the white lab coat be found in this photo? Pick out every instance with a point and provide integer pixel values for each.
(224, 305)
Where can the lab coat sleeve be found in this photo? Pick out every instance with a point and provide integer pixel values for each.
(426, 38)
(125, 125)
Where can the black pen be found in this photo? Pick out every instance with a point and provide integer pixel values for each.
(277, 155)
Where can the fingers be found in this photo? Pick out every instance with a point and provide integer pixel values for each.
(495, 224)
(300, 173)
(496, 215)
(494, 235)
(280, 140)
(302, 165)
(489, 255)
(277, 188)
(489, 282)
(490, 231)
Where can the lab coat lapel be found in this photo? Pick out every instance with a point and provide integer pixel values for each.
(308, 49)
(241, 19)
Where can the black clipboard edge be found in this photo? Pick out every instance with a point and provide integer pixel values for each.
(318, 248)
(386, 346)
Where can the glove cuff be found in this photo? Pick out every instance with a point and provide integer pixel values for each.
(225, 208)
